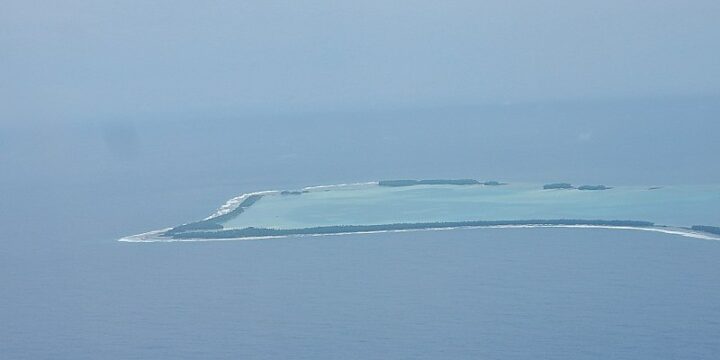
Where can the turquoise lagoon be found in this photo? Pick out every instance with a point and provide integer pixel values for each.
(372, 204)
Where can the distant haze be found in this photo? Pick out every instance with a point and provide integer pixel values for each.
(185, 104)
(110, 61)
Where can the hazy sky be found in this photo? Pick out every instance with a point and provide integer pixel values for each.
(95, 60)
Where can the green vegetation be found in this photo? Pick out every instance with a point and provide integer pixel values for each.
(449, 182)
(558, 186)
(398, 182)
(194, 226)
(594, 187)
(215, 222)
(708, 229)
(428, 182)
(255, 232)
(493, 183)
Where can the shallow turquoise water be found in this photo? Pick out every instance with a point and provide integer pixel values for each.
(373, 204)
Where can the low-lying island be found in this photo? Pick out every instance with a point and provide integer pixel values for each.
(436, 204)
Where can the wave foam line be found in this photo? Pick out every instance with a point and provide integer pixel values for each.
(233, 203)
(665, 230)
(317, 187)
(150, 236)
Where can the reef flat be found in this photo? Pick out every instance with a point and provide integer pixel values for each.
(411, 205)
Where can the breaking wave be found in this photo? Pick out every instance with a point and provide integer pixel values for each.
(152, 236)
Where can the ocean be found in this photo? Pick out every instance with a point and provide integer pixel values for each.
(70, 290)
(484, 293)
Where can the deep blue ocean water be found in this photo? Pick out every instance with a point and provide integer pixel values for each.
(485, 293)
(69, 290)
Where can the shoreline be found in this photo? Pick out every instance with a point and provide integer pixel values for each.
(148, 238)
(232, 204)
(211, 227)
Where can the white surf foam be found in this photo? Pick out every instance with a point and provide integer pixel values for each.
(665, 230)
(150, 236)
(323, 187)
(233, 203)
